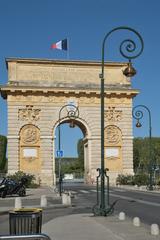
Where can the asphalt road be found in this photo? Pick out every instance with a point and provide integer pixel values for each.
(145, 205)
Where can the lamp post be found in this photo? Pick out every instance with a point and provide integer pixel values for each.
(138, 114)
(128, 50)
(72, 112)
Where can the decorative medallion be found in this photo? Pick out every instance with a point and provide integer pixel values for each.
(112, 135)
(29, 114)
(30, 134)
(113, 115)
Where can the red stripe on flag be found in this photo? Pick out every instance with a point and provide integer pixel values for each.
(54, 46)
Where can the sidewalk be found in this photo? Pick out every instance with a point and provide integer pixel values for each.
(32, 199)
(80, 226)
(87, 227)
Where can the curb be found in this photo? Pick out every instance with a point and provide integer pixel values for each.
(55, 206)
(135, 188)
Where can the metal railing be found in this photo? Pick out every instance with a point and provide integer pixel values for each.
(25, 237)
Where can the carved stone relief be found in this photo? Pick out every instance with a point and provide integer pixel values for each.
(112, 135)
(30, 134)
(29, 114)
(113, 115)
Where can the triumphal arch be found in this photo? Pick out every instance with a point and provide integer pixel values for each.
(36, 91)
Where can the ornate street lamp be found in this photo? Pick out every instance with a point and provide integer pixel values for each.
(127, 50)
(72, 112)
(138, 114)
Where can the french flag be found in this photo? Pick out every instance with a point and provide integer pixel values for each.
(61, 45)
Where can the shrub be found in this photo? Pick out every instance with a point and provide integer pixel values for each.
(140, 179)
(30, 178)
(124, 179)
(158, 181)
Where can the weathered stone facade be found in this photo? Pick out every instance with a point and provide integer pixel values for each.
(36, 91)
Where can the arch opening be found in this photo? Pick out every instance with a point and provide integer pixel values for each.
(71, 149)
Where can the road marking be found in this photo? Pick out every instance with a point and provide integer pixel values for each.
(119, 190)
(84, 191)
(99, 191)
(73, 192)
(137, 200)
(93, 190)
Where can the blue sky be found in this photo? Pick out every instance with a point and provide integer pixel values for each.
(29, 27)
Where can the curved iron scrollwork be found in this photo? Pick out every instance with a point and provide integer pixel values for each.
(127, 46)
(137, 114)
(72, 111)
(99, 170)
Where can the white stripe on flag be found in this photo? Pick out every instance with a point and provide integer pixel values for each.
(59, 45)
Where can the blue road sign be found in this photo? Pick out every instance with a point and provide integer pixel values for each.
(59, 153)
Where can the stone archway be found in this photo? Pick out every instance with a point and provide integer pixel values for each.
(35, 92)
(78, 122)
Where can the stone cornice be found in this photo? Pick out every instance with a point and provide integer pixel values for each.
(12, 90)
(62, 62)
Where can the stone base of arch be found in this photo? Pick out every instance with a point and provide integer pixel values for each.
(91, 177)
(46, 178)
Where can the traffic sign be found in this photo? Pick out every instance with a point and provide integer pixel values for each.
(59, 153)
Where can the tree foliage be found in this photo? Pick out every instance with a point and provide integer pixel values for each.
(3, 148)
(80, 150)
(141, 152)
(70, 164)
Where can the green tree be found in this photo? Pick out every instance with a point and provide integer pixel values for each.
(68, 165)
(156, 150)
(80, 150)
(141, 152)
(72, 165)
(3, 148)
(136, 153)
